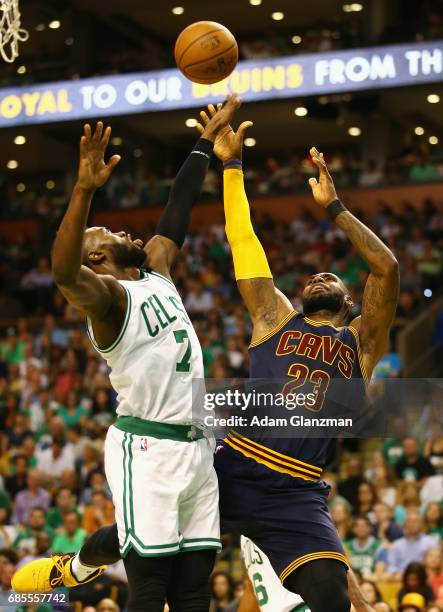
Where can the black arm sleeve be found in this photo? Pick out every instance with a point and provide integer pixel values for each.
(185, 192)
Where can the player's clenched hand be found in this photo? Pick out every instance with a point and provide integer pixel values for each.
(227, 143)
(93, 172)
(323, 189)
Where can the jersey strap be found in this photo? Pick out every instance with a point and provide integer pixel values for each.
(168, 431)
(163, 278)
(124, 326)
(273, 331)
(273, 460)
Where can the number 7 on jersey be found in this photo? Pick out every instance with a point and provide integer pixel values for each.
(181, 336)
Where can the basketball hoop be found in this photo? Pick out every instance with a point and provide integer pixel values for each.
(10, 31)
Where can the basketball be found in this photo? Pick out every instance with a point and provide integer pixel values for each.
(206, 52)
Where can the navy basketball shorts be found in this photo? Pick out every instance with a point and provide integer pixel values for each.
(286, 517)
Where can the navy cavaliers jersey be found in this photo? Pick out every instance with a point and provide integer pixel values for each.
(270, 485)
(312, 356)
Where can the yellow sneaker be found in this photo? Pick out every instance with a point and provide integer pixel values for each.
(44, 575)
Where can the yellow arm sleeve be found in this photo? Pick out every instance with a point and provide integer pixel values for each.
(247, 252)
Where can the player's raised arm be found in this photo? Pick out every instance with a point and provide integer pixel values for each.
(81, 286)
(172, 228)
(266, 304)
(381, 291)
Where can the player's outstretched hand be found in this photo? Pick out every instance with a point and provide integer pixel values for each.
(227, 143)
(323, 189)
(216, 119)
(93, 172)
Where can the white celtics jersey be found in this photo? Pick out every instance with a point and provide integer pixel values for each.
(156, 354)
(271, 594)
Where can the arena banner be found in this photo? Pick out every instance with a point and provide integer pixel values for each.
(267, 79)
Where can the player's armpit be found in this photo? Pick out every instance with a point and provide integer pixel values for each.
(161, 253)
(265, 303)
(380, 299)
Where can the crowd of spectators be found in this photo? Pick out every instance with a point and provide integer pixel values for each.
(204, 276)
(418, 20)
(290, 174)
(389, 516)
(280, 174)
(319, 37)
(56, 403)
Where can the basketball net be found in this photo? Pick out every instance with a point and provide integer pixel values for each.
(11, 32)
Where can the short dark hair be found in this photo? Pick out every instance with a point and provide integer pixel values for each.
(417, 569)
(76, 428)
(39, 509)
(57, 493)
(374, 586)
(102, 493)
(229, 579)
(10, 555)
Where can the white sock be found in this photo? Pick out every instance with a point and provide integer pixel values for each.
(80, 570)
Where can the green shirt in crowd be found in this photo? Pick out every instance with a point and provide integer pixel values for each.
(5, 500)
(392, 451)
(362, 558)
(71, 419)
(64, 544)
(54, 517)
(13, 355)
(26, 539)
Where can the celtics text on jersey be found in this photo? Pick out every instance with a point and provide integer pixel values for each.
(156, 354)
